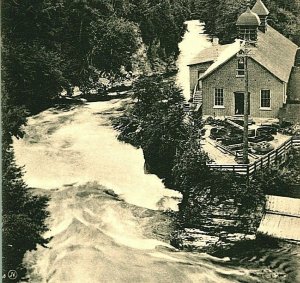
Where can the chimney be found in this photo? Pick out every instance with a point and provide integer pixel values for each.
(215, 41)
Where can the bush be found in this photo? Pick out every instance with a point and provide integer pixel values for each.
(155, 122)
(24, 216)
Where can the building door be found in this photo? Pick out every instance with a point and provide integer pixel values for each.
(239, 103)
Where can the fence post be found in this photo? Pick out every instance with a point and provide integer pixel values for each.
(261, 163)
(268, 160)
(276, 156)
(285, 147)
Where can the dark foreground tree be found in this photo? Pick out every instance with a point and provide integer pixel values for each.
(23, 217)
(155, 123)
(23, 213)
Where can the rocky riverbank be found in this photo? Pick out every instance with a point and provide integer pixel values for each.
(220, 226)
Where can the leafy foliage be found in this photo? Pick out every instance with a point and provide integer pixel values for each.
(155, 123)
(190, 168)
(203, 189)
(23, 216)
(220, 17)
(52, 45)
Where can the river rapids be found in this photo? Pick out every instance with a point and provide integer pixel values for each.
(107, 220)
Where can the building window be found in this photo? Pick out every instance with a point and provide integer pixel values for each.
(265, 98)
(199, 85)
(219, 97)
(240, 70)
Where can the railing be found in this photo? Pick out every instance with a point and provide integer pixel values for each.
(276, 156)
(197, 95)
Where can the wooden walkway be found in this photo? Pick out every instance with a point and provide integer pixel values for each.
(276, 156)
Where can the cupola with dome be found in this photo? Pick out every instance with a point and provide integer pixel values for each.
(218, 73)
(247, 25)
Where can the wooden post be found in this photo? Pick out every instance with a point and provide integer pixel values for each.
(248, 175)
(246, 109)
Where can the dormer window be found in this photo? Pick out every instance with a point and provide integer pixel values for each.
(240, 70)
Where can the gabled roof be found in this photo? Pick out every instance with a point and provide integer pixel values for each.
(209, 54)
(260, 9)
(274, 52)
(227, 53)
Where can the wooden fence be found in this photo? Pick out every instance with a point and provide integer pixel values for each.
(276, 156)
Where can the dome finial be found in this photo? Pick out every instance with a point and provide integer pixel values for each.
(247, 25)
(248, 18)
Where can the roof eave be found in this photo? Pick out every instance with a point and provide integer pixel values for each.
(208, 74)
(202, 62)
(272, 73)
(222, 64)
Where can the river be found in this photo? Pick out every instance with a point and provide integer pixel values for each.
(107, 220)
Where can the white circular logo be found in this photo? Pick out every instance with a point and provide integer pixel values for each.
(12, 274)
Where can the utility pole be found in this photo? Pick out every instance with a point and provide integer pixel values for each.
(246, 51)
(247, 23)
(246, 106)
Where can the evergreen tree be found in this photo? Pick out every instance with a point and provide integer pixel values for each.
(23, 216)
(220, 17)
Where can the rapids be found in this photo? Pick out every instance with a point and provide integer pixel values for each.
(107, 220)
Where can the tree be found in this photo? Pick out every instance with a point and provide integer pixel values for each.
(24, 216)
(190, 167)
(114, 43)
(220, 17)
(155, 123)
(31, 57)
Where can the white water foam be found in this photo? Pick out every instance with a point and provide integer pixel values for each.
(77, 146)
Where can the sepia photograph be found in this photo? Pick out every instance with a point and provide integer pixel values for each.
(150, 141)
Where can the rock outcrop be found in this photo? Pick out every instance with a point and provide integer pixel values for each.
(220, 226)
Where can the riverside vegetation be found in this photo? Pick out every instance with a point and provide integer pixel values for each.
(220, 204)
(51, 45)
